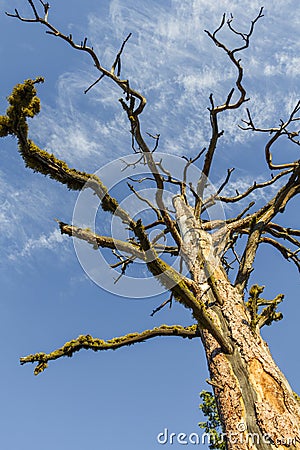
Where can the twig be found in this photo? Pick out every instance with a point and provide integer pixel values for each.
(93, 84)
(252, 188)
(277, 132)
(156, 138)
(166, 302)
(143, 199)
(123, 84)
(117, 61)
(285, 252)
(189, 161)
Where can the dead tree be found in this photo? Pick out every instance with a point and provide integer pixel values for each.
(248, 386)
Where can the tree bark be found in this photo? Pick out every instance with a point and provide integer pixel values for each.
(255, 402)
(256, 405)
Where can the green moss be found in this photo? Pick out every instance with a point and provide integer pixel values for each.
(95, 344)
(267, 315)
(296, 396)
(5, 126)
(109, 204)
(24, 104)
(40, 368)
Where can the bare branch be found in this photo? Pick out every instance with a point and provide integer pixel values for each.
(189, 162)
(156, 138)
(215, 110)
(277, 132)
(229, 172)
(285, 252)
(163, 304)
(132, 164)
(101, 241)
(124, 263)
(122, 260)
(284, 233)
(212, 199)
(216, 134)
(143, 199)
(288, 231)
(93, 84)
(252, 188)
(117, 61)
(245, 36)
(153, 166)
(88, 342)
(123, 84)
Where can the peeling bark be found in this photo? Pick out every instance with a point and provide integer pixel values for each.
(255, 402)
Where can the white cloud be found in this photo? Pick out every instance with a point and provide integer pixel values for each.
(177, 66)
(174, 63)
(27, 206)
(43, 241)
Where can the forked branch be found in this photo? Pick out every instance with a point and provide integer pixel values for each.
(228, 104)
(131, 96)
(277, 132)
(253, 187)
(123, 84)
(288, 254)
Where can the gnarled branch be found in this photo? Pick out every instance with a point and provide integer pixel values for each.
(215, 110)
(123, 84)
(88, 342)
(277, 132)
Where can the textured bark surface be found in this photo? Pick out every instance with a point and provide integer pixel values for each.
(256, 404)
(249, 387)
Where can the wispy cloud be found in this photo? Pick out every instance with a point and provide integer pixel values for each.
(27, 209)
(174, 63)
(44, 241)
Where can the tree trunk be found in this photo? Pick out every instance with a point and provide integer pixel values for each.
(256, 405)
(255, 402)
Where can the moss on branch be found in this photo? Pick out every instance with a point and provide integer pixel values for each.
(24, 103)
(101, 241)
(268, 314)
(88, 342)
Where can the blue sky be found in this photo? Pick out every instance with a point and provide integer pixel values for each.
(124, 399)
